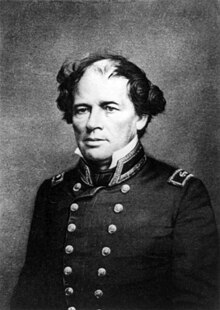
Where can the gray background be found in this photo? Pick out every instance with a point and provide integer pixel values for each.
(175, 42)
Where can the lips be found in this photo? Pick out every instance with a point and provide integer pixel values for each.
(94, 139)
(94, 142)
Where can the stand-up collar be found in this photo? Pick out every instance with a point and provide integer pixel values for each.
(126, 167)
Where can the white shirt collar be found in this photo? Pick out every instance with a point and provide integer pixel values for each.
(117, 154)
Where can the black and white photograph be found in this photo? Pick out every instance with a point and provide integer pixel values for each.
(109, 145)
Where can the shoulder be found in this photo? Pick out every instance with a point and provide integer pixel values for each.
(60, 179)
(188, 191)
(55, 188)
(170, 175)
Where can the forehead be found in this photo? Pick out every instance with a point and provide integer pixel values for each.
(99, 81)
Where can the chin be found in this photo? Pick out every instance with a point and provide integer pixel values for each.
(94, 155)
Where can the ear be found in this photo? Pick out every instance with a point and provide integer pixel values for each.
(141, 122)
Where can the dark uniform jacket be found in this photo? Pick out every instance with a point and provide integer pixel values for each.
(140, 236)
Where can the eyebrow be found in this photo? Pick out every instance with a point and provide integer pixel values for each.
(101, 103)
(79, 104)
(108, 102)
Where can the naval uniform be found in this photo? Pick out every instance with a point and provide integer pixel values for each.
(139, 236)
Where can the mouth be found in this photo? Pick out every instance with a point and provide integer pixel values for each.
(94, 139)
(94, 142)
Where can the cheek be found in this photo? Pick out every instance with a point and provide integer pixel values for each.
(78, 127)
(75, 129)
(127, 126)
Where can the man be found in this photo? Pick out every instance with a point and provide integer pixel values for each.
(120, 230)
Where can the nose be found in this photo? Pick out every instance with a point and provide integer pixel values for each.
(94, 121)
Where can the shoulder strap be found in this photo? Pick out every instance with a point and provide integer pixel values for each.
(57, 179)
(179, 177)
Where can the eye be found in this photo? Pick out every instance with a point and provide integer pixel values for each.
(110, 108)
(80, 110)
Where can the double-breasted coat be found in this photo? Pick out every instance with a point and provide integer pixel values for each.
(139, 236)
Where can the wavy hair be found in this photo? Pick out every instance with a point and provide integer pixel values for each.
(147, 98)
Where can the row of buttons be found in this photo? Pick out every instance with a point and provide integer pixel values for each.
(105, 251)
(69, 291)
(69, 248)
(111, 228)
(124, 189)
(101, 271)
(118, 207)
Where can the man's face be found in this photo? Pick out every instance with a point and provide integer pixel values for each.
(104, 118)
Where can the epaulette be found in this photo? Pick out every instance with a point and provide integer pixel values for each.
(57, 179)
(180, 177)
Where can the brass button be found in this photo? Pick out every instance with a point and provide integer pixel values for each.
(69, 249)
(67, 270)
(125, 188)
(71, 308)
(106, 251)
(101, 272)
(74, 207)
(112, 229)
(71, 227)
(98, 293)
(69, 291)
(77, 187)
(118, 208)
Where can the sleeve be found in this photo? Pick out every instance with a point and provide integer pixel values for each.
(195, 251)
(28, 292)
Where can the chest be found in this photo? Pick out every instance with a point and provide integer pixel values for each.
(136, 223)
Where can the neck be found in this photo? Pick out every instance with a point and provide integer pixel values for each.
(96, 174)
(99, 165)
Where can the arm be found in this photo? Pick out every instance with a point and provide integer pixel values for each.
(28, 291)
(195, 251)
